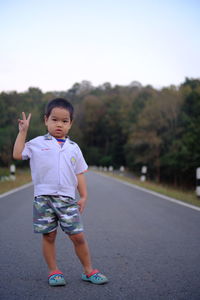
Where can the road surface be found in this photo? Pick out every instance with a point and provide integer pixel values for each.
(147, 246)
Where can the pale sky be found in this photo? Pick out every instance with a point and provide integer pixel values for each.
(54, 44)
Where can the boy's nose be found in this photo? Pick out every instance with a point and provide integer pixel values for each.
(59, 123)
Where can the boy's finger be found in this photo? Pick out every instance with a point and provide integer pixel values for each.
(79, 207)
(23, 116)
(29, 117)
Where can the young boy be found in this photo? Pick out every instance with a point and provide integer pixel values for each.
(57, 168)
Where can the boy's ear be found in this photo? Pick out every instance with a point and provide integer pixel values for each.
(45, 119)
(71, 123)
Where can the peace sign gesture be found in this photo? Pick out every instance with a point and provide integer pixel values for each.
(24, 123)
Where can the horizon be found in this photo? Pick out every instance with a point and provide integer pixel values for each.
(99, 86)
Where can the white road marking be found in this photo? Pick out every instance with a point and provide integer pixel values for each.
(154, 193)
(16, 190)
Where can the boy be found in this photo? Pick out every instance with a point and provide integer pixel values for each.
(57, 169)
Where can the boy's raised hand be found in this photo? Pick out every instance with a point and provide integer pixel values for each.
(24, 123)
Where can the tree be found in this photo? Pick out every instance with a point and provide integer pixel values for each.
(185, 149)
(154, 129)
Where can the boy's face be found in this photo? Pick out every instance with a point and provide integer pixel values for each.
(59, 122)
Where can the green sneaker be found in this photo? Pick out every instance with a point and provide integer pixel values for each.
(56, 278)
(95, 277)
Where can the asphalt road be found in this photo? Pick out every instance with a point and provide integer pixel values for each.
(147, 246)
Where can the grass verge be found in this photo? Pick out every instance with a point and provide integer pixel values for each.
(177, 193)
(23, 176)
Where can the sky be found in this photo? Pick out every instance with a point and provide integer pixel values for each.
(52, 45)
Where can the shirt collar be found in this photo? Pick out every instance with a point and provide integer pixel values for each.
(48, 136)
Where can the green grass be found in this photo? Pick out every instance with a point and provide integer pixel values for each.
(23, 176)
(177, 193)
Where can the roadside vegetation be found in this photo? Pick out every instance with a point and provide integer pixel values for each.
(189, 196)
(185, 195)
(23, 176)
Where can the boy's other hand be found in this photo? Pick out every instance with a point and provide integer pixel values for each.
(24, 123)
(81, 203)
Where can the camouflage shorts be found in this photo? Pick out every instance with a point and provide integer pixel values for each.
(48, 211)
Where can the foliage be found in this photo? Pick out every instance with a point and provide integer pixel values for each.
(121, 125)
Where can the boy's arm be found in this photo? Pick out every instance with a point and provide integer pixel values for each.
(21, 138)
(82, 189)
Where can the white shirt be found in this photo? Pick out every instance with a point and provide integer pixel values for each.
(54, 168)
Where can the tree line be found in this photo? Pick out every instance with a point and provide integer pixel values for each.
(130, 125)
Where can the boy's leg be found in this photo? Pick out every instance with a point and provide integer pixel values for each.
(82, 251)
(49, 251)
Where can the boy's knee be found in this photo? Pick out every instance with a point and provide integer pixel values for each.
(50, 237)
(78, 239)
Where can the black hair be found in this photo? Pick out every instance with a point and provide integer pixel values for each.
(62, 103)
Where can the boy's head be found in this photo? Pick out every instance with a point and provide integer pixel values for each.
(59, 117)
(62, 103)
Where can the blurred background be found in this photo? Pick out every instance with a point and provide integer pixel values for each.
(130, 68)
